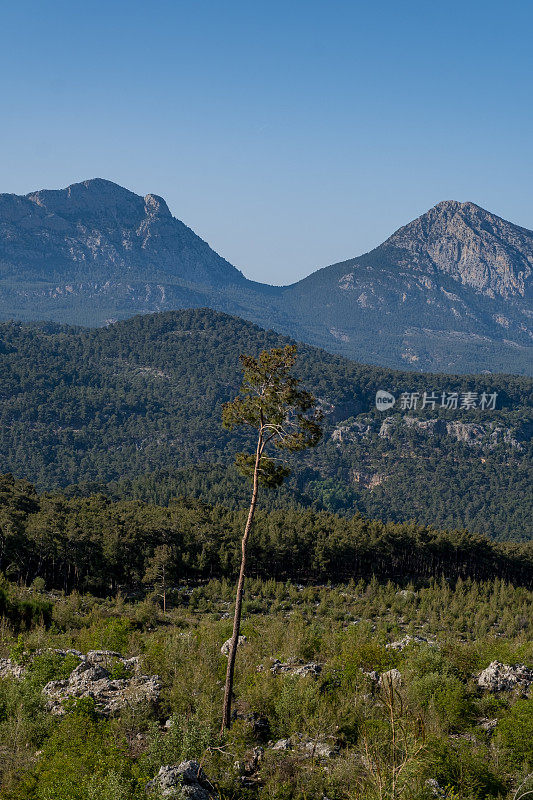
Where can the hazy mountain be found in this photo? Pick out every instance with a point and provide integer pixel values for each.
(450, 291)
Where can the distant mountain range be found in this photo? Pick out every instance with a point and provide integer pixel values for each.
(451, 291)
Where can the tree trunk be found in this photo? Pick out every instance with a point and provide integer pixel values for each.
(164, 591)
(228, 689)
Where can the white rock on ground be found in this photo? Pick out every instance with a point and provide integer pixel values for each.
(499, 677)
(187, 781)
(9, 669)
(91, 679)
(407, 640)
(227, 644)
(311, 748)
(487, 724)
(296, 668)
(390, 679)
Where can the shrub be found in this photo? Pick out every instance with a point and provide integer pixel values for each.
(515, 734)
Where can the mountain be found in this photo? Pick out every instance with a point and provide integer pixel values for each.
(134, 408)
(450, 291)
(95, 252)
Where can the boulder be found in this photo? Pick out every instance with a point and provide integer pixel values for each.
(296, 668)
(187, 781)
(227, 644)
(10, 669)
(308, 747)
(499, 677)
(91, 679)
(282, 744)
(392, 679)
(320, 749)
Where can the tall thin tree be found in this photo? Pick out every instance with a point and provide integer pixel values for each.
(283, 416)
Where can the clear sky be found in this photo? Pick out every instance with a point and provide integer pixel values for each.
(289, 135)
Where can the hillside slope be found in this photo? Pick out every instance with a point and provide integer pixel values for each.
(143, 397)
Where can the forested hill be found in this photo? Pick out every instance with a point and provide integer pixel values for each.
(143, 398)
(94, 544)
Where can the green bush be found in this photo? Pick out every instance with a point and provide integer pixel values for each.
(515, 734)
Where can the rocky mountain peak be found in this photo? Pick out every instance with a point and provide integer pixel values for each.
(473, 246)
(90, 200)
(156, 206)
(98, 231)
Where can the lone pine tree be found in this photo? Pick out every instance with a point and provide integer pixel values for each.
(283, 416)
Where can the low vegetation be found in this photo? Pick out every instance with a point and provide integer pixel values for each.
(332, 730)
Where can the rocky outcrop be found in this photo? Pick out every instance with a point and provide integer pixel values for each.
(227, 644)
(499, 677)
(186, 781)
(434, 427)
(485, 435)
(391, 679)
(471, 245)
(351, 432)
(367, 480)
(296, 667)
(401, 644)
(92, 679)
(307, 746)
(10, 669)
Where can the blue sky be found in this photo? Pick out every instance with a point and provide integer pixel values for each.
(289, 135)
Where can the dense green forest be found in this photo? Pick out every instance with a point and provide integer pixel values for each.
(132, 408)
(103, 546)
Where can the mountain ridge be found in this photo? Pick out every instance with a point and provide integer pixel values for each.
(449, 291)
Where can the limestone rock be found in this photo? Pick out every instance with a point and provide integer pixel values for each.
(227, 644)
(186, 781)
(391, 679)
(91, 679)
(408, 640)
(296, 668)
(308, 747)
(282, 744)
(499, 677)
(9, 669)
